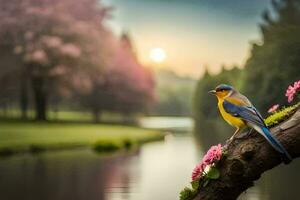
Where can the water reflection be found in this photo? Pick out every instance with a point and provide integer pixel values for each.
(178, 124)
(157, 171)
(59, 175)
(283, 182)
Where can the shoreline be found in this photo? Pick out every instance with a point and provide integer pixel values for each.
(37, 150)
(30, 138)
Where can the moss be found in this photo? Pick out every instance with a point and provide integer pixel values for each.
(280, 116)
(187, 194)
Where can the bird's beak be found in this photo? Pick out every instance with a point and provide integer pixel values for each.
(212, 92)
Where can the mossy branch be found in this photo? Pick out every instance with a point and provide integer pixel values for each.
(249, 157)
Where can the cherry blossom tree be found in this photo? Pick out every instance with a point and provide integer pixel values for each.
(126, 85)
(55, 39)
(65, 49)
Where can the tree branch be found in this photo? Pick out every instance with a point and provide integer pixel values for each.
(249, 157)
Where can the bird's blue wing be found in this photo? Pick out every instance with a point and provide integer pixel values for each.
(246, 113)
(254, 119)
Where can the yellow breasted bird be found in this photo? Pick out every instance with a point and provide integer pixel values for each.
(239, 112)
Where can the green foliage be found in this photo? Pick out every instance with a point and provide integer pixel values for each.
(174, 94)
(280, 116)
(195, 184)
(103, 146)
(127, 143)
(274, 63)
(187, 194)
(204, 103)
(213, 173)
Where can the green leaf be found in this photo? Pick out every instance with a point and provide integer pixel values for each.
(195, 184)
(187, 194)
(213, 173)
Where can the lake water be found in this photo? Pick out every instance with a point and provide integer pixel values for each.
(158, 171)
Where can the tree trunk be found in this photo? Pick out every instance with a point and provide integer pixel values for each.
(40, 98)
(248, 158)
(97, 115)
(24, 96)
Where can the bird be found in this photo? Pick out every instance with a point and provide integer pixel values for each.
(238, 111)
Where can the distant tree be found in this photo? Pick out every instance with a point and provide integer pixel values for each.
(174, 94)
(56, 40)
(274, 63)
(135, 80)
(174, 102)
(9, 78)
(125, 86)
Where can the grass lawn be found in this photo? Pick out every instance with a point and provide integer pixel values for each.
(33, 136)
(66, 116)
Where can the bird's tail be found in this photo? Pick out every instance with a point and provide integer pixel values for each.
(275, 144)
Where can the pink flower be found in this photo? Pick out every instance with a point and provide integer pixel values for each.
(292, 91)
(198, 171)
(213, 154)
(273, 108)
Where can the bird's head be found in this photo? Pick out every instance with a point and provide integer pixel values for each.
(222, 90)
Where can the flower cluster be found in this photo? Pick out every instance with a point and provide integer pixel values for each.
(292, 91)
(213, 155)
(198, 171)
(273, 108)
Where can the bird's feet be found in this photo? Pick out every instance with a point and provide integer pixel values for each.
(229, 141)
(245, 134)
(238, 137)
(241, 136)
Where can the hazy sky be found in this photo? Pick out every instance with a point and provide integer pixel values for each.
(193, 33)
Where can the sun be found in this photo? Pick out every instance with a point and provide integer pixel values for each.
(158, 55)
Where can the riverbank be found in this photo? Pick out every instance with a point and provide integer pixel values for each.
(35, 137)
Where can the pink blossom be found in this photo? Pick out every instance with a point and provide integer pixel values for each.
(292, 91)
(70, 50)
(52, 41)
(28, 35)
(38, 56)
(273, 108)
(58, 70)
(213, 154)
(198, 171)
